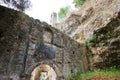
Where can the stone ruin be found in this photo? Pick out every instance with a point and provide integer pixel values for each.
(28, 47)
(53, 19)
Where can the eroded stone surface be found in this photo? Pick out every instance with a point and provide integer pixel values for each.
(106, 51)
(91, 16)
(99, 18)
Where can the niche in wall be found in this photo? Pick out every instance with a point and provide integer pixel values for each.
(47, 36)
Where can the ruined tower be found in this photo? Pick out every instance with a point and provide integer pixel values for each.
(53, 19)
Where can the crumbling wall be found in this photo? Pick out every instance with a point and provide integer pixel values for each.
(26, 43)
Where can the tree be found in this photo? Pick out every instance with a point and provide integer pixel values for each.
(63, 12)
(19, 4)
(78, 2)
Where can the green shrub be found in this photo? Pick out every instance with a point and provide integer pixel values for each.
(86, 44)
(63, 12)
(78, 2)
(92, 38)
(90, 41)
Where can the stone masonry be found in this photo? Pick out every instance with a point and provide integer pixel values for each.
(26, 43)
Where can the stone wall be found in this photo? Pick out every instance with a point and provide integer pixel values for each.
(26, 43)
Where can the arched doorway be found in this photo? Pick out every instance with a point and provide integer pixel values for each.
(43, 72)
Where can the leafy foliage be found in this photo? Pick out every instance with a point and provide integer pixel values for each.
(91, 41)
(78, 2)
(19, 4)
(63, 12)
(92, 38)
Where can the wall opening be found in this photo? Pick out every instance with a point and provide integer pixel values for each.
(43, 72)
(47, 36)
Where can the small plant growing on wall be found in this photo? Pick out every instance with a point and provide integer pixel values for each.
(92, 38)
(90, 41)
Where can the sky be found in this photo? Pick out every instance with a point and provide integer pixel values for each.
(42, 9)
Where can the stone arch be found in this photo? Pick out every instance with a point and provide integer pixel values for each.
(30, 70)
(43, 69)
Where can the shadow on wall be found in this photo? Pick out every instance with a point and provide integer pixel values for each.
(43, 72)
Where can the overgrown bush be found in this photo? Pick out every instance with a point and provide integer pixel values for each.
(78, 2)
(63, 12)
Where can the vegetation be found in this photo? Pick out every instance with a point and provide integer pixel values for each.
(90, 41)
(19, 4)
(78, 2)
(108, 73)
(63, 12)
(92, 38)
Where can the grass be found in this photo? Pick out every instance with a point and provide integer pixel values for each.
(111, 72)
